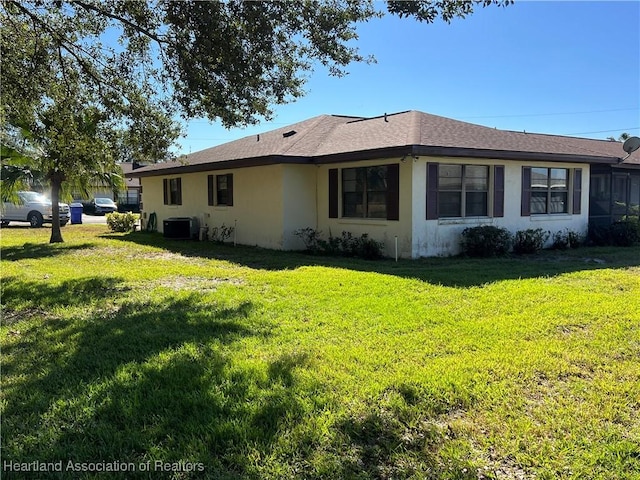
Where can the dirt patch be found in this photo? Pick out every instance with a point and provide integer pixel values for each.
(195, 283)
(9, 316)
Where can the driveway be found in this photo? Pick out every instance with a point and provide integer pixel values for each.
(86, 220)
(100, 219)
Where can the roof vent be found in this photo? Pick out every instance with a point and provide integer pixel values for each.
(288, 134)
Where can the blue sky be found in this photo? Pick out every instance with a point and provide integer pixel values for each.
(567, 68)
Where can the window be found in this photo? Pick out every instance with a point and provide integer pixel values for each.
(549, 190)
(220, 189)
(367, 192)
(546, 190)
(463, 190)
(223, 189)
(364, 192)
(172, 191)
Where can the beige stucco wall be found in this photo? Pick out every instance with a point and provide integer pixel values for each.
(257, 203)
(442, 237)
(268, 203)
(299, 202)
(381, 230)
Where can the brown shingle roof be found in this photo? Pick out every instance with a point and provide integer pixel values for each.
(326, 137)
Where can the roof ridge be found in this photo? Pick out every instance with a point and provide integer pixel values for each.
(385, 115)
(327, 136)
(314, 121)
(414, 134)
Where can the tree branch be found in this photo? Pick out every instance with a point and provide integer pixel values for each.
(159, 40)
(68, 46)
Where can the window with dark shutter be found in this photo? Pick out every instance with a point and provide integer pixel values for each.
(224, 189)
(545, 190)
(172, 191)
(175, 191)
(456, 190)
(364, 192)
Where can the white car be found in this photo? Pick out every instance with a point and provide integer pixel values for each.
(33, 208)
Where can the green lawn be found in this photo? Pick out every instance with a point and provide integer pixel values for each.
(222, 362)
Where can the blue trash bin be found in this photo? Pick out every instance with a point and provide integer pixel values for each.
(76, 213)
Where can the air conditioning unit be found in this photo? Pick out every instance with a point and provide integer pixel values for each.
(180, 228)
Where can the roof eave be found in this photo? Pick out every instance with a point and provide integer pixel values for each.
(630, 166)
(510, 155)
(436, 151)
(373, 154)
(222, 165)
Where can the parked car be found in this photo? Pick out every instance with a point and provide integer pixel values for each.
(34, 208)
(100, 206)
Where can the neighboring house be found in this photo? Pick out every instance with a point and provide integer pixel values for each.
(411, 175)
(129, 199)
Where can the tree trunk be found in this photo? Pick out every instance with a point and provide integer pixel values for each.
(56, 184)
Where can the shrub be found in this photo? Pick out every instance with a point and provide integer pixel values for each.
(332, 246)
(222, 233)
(368, 248)
(346, 244)
(566, 239)
(485, 241)
(311, 239)
(530, 240)
(121, 222)
(625, 233)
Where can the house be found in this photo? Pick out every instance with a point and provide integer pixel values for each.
(129, 198)
(421, 178)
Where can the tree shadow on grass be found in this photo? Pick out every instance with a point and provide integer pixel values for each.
(143, 382)
(404, 434)
(39, 250)
(167, 381)
(451, 271)
(75, 292)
